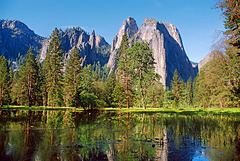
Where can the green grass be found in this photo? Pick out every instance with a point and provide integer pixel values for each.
(181, 111)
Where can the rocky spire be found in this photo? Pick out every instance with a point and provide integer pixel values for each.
(92, 39)
(166, 43)
(129, 27)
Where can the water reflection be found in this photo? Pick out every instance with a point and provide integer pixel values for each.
(58, 135)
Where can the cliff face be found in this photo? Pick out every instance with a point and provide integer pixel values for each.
(16, 38)
(93, 48)
(129, 27)
(163, 38)
(165, 41)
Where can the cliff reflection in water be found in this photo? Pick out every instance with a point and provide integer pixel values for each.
(58, 135)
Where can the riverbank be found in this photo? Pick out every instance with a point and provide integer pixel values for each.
(40, 108)
(182, 111)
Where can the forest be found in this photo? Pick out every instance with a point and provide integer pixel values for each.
(57, 82)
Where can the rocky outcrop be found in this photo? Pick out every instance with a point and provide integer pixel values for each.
(93, 48)
(213, 55)
(165, 41)
(129, 27)
(16, 38)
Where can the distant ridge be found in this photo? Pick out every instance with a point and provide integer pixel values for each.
(16, 38)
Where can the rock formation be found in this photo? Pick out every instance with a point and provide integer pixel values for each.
(164, 40)
(93, 48)
(214, 54)
(16, 38)
(129, 27)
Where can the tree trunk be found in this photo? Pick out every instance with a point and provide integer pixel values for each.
(127, 94)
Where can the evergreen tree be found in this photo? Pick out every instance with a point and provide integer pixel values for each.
(231, 12)
(111, 84)
(53, 66)
(155, 94)
(39, 85)
(167, 98)
(189, 92)
(176, 89)
(4, 81)
(72, 78)
(26, 82)
(19, 87)
(143, 67)
(124, 70)
(195, 91)
(87, 93)
(31, 75)
(213, 88)
(119, 95)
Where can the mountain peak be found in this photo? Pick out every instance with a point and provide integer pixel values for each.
(16, 38)
(129, 27)
(164, 40)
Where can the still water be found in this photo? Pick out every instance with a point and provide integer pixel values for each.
(64, 135)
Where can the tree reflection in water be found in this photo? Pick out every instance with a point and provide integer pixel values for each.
(65, 135)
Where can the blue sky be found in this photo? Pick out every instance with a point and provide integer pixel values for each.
(195, 19)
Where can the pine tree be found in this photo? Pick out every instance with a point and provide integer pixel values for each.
(111, 84)
(87, 92)
(4, 81)
(143, 67)
(31, 75)
(124, 70)
(231, 12)
(167, 98)
(19, 87)
(39, 85)
(119, 95)
(155, 94)
(212, 85)
(176, 89)
(189, 92)
(72, 78)
(53, 66)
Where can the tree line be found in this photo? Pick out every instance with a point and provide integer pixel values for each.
(56, 82)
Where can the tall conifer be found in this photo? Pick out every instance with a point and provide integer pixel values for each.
(231, 13)
(142, 64)
(53, 66)
(4, 81)
(72, 78)
(31, 77)
(176, 89)
(124, 68)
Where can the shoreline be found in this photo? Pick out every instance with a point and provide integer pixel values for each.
(181, 111)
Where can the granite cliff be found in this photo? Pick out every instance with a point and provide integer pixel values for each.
(93, 48)
(129, 27)
(165, 41)
(16, 38)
